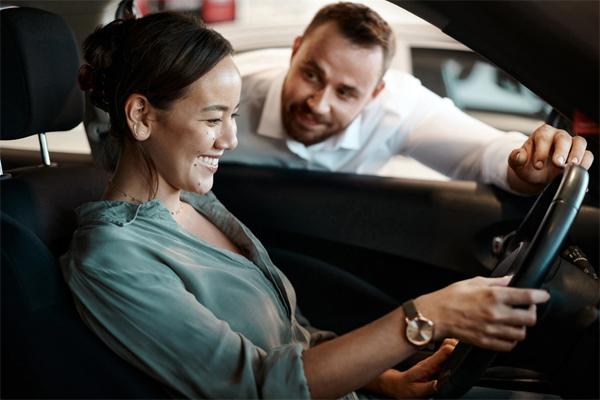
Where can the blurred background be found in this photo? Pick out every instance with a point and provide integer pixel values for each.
(262, 31)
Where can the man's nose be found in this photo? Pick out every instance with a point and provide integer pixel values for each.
(319, 102)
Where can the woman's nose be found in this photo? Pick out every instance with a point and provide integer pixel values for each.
(227, 138)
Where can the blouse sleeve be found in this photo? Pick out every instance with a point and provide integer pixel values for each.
(316, 335)
(142, 310)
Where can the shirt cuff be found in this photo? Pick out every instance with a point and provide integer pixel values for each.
(495, 159)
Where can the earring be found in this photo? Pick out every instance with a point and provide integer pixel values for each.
(135, 130)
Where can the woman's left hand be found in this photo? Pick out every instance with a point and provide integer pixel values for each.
(415, 382)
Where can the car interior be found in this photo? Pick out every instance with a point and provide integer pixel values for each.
(336, 236)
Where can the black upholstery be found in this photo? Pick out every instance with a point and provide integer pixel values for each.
(47, 351)
(313, 281)
(38, 75)
(43, 199)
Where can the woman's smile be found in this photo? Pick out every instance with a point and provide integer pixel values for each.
(209, 162)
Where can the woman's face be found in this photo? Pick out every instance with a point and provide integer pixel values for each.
(187, 141)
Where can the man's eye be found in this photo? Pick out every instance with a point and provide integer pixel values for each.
(310, 75)
(343, 94)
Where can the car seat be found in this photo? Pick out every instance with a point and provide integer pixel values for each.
(47, 351)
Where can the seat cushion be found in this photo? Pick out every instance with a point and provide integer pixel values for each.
(47, 351)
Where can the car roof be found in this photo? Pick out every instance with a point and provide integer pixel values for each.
(551, 47)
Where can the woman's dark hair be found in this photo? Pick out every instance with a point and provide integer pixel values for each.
(158, 56)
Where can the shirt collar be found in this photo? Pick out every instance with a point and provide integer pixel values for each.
(350, 138)
(271, 123)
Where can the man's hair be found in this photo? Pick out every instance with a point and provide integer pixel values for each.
(359, 24)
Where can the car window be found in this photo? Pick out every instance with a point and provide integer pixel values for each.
(443, 65)
(479, 88)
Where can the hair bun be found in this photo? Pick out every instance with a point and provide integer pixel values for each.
(91, 79)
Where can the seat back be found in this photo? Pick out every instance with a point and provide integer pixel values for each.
(47, 351)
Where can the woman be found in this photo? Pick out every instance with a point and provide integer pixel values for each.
(178, 287)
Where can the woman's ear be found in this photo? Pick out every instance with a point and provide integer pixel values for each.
(137, 109)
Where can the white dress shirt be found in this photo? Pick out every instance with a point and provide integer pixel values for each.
(405, 118)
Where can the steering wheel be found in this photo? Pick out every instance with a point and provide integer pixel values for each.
(533, 249)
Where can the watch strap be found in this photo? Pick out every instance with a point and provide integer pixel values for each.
(410, 310)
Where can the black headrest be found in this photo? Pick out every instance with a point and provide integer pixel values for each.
(38, 74)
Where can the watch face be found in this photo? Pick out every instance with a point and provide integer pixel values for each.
(419, 331)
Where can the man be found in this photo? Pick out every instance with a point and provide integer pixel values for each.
(334, 110)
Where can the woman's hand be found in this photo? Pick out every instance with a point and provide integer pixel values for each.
(481, 311)
(414, 383)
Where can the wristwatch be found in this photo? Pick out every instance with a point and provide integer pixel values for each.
(419, 330)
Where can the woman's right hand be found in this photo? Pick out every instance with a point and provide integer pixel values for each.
(481, 311)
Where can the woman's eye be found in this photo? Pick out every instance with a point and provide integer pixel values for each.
(234, 115)
(215, 121)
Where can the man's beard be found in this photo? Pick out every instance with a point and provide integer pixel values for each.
(307, 137)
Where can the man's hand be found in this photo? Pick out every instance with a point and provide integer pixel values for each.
(414, 383)
(481, 311)
(546, 152)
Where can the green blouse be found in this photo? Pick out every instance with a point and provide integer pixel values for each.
(204, 321)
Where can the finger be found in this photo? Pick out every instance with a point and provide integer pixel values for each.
(479, 339)
(578, 147)
(516, 316)
(430, 388)
(562, 146)
(439, 357)
(505, 332)
(588, 159)
(448, 346)
(517, 158)
(425, 369)
(496, 344)
(522, 297)
(542, 143)
(501, 281)
(449, 342)
(419, 390)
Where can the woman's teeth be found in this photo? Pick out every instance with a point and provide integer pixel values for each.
(209, 160)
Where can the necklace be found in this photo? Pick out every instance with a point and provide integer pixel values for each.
(176, 212)
(122, 191)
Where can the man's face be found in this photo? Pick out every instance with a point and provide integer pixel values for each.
(329, 83)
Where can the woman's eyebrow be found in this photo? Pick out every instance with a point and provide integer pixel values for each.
(218, 107)
(215, 107)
